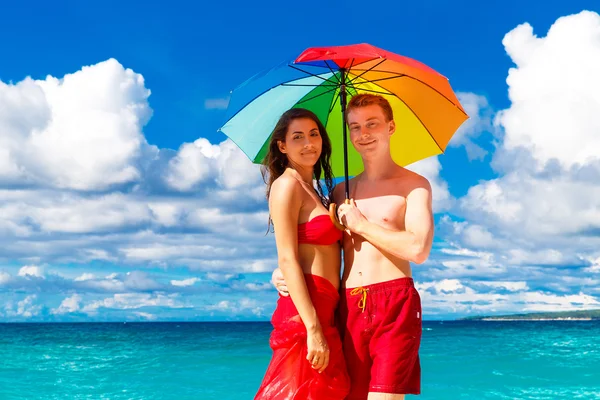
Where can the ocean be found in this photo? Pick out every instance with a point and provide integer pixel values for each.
(226, 361)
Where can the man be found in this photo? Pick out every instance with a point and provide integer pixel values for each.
(389, 224)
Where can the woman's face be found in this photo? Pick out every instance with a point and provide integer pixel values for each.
(303, 142)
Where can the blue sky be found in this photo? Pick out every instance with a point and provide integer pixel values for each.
(119, 200)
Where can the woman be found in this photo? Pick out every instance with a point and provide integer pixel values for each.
(307, 361)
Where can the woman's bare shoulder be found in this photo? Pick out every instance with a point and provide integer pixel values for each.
(284, 183)
(285, 190)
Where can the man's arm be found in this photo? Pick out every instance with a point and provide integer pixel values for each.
(412, 244)
(279, 282)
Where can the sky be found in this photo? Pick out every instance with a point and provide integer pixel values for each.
(121, 201)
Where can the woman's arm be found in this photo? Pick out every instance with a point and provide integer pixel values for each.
(285, 203)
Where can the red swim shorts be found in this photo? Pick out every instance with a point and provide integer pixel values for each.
(381, 332)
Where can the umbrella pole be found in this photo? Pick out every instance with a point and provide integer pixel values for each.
(332, 207)
(345, 136)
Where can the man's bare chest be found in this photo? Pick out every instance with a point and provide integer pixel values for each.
(387, 211)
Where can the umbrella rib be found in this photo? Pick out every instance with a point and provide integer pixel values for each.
(424, 126)
(381, 79)
(351, 86)
(375, 91)
(309, 73)
(318, 95)
(351, 64)
(332, 71)
(407, 106)
(411, 110)
(298, 84)
(333, 103)
(416, 79)
(438, 92)
(364, 72)
(273, 87)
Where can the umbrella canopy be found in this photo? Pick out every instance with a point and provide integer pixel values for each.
(322, 79)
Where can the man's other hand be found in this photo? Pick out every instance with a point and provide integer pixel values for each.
(279, 282)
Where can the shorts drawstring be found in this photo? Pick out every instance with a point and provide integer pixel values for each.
(362, 303)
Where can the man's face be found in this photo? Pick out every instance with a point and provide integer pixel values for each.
(369, 132)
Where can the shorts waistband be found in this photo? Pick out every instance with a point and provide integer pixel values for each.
(399, 283)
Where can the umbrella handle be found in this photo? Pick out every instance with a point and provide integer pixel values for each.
(334, 217)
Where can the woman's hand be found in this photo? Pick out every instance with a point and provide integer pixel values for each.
(318, 350)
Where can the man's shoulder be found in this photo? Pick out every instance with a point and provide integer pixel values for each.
(413, 179)
(407, 181)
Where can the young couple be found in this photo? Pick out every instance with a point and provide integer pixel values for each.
(368, 348)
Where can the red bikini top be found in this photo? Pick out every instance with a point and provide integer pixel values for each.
(319, 230)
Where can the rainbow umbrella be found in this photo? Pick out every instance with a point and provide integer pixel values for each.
(321, 79)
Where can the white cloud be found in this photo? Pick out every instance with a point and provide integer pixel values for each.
(256, 287)
(534, 207)
(125, 301)
(544, 208)
(131, 228)
(68, 305)
(139, 280)
(535, 301)
(166, 214)
(219, 277)
(456, 297)
(553, 90)
(192, 164)
(130, 281)
(240, 306)
(146, 316)
(510, 286)
(480, 120)
(159, 251)
(267, 265)
(222, 221)
(443, 286)
(479, 237)
(97, 254)
(184, 282)
(223, 305)
(82, 131)
(25, 308)
(32, 270)
(4, 277)
(196, 162)
(85, 277)
(76, 214)
(235, 170)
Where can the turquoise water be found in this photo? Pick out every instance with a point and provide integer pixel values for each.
(226, 361)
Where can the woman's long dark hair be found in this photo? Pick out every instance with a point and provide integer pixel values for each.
(275, 162)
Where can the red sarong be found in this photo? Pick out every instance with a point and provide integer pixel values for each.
(289, 375)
